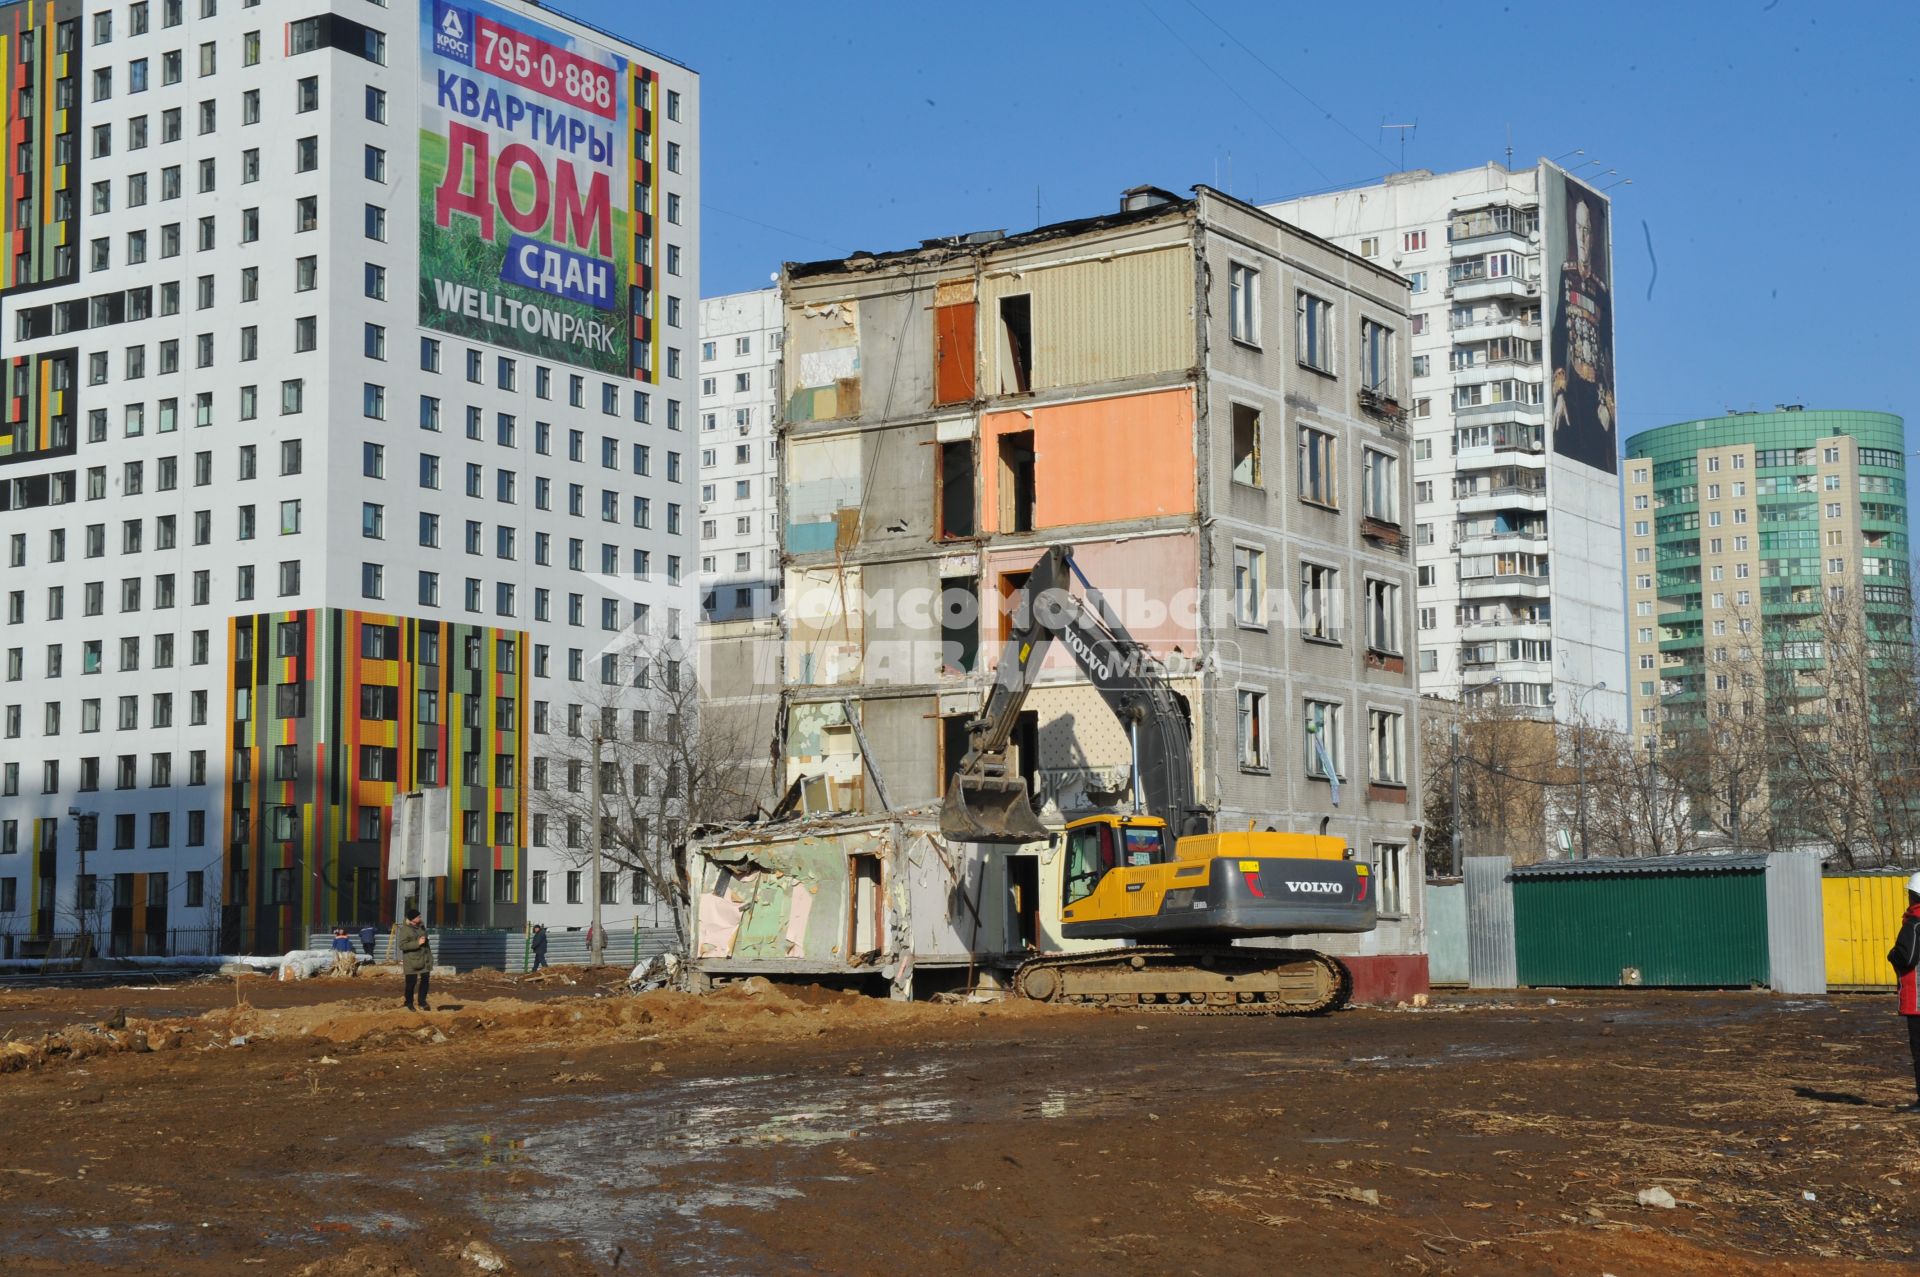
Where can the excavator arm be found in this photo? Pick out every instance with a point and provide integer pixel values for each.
(984, 802)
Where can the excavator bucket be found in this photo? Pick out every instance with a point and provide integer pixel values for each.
(990, 809)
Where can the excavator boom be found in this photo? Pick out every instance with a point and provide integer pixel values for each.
(987, 801)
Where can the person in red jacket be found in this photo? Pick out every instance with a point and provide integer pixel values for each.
(1905, 957)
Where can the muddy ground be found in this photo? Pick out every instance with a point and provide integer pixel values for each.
(544, 1129)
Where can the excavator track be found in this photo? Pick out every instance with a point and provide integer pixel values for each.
(1190, 980)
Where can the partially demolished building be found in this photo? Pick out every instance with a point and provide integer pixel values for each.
(1204, 402)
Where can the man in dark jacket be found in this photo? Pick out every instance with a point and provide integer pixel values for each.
(367, 934)
(1905, 957)
(416, 957)
(539, 946)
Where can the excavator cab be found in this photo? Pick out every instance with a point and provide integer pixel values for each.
(1125, 877)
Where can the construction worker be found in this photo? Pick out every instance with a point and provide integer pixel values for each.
(539, 946)
(1905, 957)
(344, 963)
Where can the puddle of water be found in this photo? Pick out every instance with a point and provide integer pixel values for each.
(650, 1169)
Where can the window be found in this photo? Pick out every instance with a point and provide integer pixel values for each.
(1380, 490)
(1319, 595)
(1376, 358)
(1250, 586)
(1413, 241)
(1251, 707)
(1389, 892)
(1383, 617)
(1243, 303)
(1314, 332)
(1317, 467)
(1385, 740)
(1322, 746)
(1246, 444)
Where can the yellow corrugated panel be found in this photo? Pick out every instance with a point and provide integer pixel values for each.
(1862, 916)
(1098, 320)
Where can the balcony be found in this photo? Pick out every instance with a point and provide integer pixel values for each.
(1494, 239)
(1504, 410)
(1478, 288)
(1489, 326)
(1507, 497)
(1507, 627)
(1383, 535)
(1528, 456)
(1383, 408)
(1514, 584)
(1506, 671)
(1493, 542)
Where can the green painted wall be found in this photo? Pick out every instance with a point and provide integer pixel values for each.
(1679, 929)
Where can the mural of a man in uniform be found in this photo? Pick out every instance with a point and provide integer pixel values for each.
(1584, 421)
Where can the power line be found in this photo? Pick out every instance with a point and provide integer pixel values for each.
(1228, 86)
(766, 226)
(1297, 90)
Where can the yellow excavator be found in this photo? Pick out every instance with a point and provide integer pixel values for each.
(1158, 875)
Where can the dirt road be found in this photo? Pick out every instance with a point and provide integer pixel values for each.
(784, 1132)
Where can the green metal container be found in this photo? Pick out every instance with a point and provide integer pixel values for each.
(1673, 922)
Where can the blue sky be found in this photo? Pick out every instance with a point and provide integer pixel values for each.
(1771, 146)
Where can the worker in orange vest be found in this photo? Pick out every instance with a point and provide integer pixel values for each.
(1905, 957)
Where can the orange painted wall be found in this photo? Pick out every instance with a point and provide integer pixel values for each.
(1151, 580)
(1099, 460)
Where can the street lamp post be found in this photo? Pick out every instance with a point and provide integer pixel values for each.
(1653, 810)
(1453, 800)
(1580, 760)
(596, 949)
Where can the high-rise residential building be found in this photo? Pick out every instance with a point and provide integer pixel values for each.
(1515, 428)
(739, 397)
(740, 348)
(1199, 399)
(1745, 534)
(351, 362)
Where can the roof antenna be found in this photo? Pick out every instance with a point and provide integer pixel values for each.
(1404, 130)
(1509, 148)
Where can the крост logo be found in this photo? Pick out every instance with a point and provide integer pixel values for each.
(453, 33)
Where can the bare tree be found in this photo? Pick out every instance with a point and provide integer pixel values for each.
(90, 914)
(1843, 732)
(664, 769)
(1502, 764)
(1521, 779)
(1634, 807)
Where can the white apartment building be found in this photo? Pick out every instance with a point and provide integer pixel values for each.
(1516, 477)
(739, 402)
(351, 362)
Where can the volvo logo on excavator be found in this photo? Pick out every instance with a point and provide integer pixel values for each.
(1099, 668)
(1318, 888)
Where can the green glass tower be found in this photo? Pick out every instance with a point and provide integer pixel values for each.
(1749, 539)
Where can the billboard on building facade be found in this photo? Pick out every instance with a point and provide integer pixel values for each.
(526, 187)
(1579, 297)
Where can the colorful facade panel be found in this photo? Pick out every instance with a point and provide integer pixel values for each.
(333, 714)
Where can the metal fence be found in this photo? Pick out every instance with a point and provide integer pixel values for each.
(63, 946)
(512, 951)
(1446, 933)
